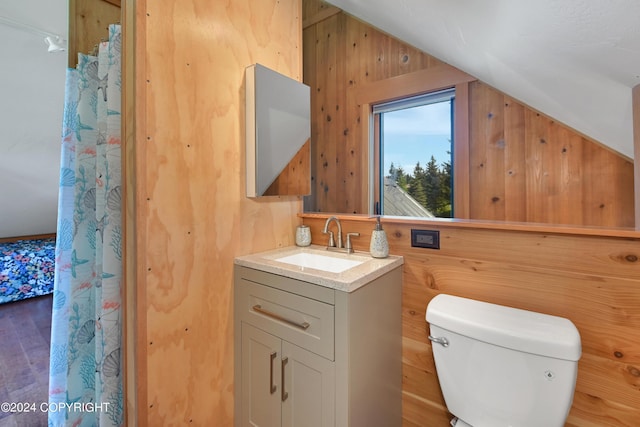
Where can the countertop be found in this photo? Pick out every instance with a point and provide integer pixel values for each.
(346, 281)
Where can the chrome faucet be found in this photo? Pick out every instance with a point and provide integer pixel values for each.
(332, 243)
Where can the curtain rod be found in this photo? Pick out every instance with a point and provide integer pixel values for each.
(55, 42)
(26, 27)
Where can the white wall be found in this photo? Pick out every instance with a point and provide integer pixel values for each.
(31, 108)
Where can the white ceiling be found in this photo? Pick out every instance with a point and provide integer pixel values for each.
(574, 60)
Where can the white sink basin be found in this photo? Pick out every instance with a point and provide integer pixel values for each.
(315, 264)
(320, 262)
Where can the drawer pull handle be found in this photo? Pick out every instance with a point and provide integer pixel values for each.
(304, 325)
(272, 386)
(284, 395)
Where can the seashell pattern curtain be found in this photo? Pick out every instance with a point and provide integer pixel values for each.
(85, 382)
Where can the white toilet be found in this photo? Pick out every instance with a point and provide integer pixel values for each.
(503, 367)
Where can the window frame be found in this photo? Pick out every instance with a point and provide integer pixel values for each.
(411, 84)
(414, 101)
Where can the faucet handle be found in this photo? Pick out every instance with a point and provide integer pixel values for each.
(332, 242)
(349, 247)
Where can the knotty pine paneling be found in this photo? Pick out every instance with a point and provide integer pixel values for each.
(191, 216)
(89, 22)
(342, 54)
(523, 166)
(295, 178)
(527, 167)
(592, 280)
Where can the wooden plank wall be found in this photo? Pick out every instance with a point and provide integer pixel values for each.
(636, 149)
(592, 280)
(190, 213)
(340, 55)
(523, 166)
(89, 22)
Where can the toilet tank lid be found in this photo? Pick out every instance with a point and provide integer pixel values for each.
(513, 328)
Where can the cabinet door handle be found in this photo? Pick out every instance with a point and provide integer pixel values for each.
(283, 394)
(272, 386)
(304, 325)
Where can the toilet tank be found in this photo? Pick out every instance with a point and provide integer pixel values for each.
(503, 366)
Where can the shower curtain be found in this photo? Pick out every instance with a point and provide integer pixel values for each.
(85, 379)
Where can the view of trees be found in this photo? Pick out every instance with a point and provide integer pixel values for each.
(431, 187)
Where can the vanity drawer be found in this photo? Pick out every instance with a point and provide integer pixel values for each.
(302, 321)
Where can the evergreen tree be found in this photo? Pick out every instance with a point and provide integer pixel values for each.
(445, 190)
(402, 180)
(398, 176)
(432, 187)
(418, 173)
(416, 190)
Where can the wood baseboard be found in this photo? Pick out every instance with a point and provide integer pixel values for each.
(31, 237)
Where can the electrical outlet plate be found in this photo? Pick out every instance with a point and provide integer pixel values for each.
(429, 239)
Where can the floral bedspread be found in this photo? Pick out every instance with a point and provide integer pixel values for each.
(26, 269)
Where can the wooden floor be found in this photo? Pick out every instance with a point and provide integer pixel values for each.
(25, 328)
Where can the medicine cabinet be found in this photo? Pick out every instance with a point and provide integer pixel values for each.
(278, 130)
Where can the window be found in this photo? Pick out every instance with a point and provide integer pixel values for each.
(413, 155)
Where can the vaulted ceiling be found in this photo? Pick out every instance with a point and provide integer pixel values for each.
(574, 60)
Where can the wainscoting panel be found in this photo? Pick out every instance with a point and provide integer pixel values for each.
(593, 280)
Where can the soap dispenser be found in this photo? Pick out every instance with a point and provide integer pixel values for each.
(379, 246)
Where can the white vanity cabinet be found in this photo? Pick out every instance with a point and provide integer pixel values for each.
(309, 355)
(295, 388)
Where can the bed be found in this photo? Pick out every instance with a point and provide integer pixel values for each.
(27, 268)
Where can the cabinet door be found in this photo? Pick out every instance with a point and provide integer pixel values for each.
(309, 388)
(261, 375)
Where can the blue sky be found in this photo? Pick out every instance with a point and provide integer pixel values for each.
(415, 134)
